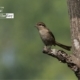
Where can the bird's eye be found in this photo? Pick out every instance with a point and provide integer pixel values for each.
(40, 24)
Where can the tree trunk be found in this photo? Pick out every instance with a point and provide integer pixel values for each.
(74, 12)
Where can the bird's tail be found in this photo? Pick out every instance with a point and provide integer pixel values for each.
(63, 46)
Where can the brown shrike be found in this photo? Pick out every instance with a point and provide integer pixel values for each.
(47, 36)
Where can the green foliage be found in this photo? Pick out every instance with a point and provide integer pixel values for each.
(21, 54)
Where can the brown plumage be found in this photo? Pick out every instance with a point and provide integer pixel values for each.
(47, 36)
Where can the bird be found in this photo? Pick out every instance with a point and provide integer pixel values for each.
(48, 37)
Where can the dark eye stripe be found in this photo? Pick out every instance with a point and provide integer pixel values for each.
(41, 23)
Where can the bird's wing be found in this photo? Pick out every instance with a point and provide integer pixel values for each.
(51, 33)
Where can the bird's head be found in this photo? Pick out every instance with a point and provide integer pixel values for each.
(40, 25)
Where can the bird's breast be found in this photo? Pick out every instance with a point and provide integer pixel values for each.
(46, 37)
(43, 33)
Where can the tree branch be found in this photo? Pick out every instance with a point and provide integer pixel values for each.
(72, 61)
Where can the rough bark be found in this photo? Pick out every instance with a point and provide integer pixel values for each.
(72, 60)
(74, 12)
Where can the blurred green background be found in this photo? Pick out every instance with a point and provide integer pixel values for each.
(21, 48)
